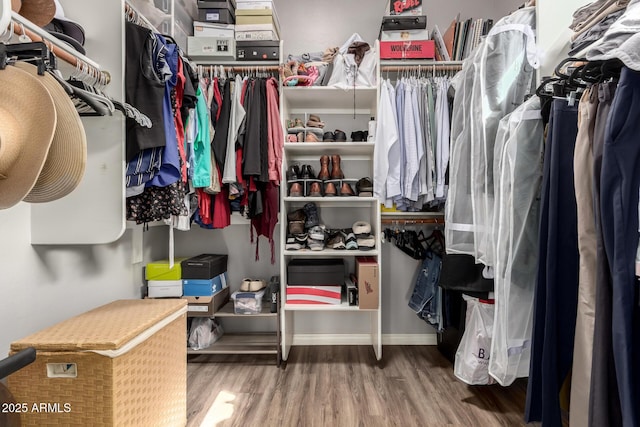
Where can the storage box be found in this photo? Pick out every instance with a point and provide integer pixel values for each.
(248, 302)
(314, 295)
(256, 35)
(398, 23)
(264, 4)
(405, 7)
(404, 35)
(204, 266)
(224, 4)
(208, 29)
(368, 282)
(122, 364)
(257, 50)
(160, 270)
(164, 288)
(207, 306)
(413, 49)
(203, 287)
(223, 48)
(222, 16)
(317, 271)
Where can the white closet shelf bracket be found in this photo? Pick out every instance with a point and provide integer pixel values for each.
(58, 48)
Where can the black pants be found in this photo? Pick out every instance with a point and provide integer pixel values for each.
(555, 306)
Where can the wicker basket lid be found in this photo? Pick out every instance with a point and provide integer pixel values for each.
(108, 327)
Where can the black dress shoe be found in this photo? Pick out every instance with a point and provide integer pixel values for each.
(340, 136)
(357, 136)
(307, 172)
(293, 172)
(328, 137)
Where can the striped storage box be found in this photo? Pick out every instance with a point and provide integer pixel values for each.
(122, 364)
(314, 294)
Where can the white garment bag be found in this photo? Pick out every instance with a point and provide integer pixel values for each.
(347, 74)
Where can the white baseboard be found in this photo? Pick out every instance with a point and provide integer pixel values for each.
(364, 339)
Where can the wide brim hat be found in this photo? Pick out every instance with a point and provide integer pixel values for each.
(27, 124)
(40, 12)
(67, 158)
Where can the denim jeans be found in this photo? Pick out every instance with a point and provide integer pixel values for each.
(425, 298)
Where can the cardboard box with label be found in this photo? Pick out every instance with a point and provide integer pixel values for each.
(368, 276)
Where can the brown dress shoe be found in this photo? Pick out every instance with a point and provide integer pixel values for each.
(330, 190)
(336, 172)
(300, 136)
(346, 190)
(315, 190)
(295, 190)
(324, 168)
(311, 137)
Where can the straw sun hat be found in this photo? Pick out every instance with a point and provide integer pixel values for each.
(65, 164)
(27, 124)
(40, 12)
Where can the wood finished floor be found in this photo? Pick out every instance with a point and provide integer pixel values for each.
(344, 386)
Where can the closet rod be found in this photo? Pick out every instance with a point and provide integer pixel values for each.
(409, 221)
(131, 12)
(58, 48)
(426, 68)
(237, 68)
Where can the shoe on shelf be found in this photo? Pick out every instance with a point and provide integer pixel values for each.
(350, 241)
(324, 168)
(364, 187)
(307, 172)
(292, 138)
(314, 122)
(311, 137)
(336, 240)
(296, 227)
(336, 171)
(300, 136)
(366, 241)
(293, 172)
(315, 190)
(328, 137)
(315, 245)
(361, 227)
(330, 190)
(296, 190)
(295, 242)
(340, 136)
(297, 215)
(358, 136)
(317, 232)
(252, 285)
(346, 190)
(311, 211)
(295, 124)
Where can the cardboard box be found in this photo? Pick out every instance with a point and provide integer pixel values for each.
(405, 7)
(414, 49)
(316, 272)
(204, 266)
(404, 35)
(208, 29)
(160, 270)
(368, 282)
(94, 364)
(203, 287)
(207, 306)
(223, 48)
(164, 288)
(264, 4)
(314, 295)
(221, 4)
(222, 16)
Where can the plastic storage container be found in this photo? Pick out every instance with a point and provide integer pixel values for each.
(248, 302)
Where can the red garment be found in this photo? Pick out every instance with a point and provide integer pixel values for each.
(265, 224)
(221, 206)
(204, 205)
(177, 119)
(275, 134)
(218, 99)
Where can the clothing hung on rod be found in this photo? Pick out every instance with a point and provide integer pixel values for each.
(412, 153)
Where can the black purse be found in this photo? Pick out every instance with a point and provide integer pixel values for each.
(461, 273)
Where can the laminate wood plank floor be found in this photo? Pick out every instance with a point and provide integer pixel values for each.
(344, 386)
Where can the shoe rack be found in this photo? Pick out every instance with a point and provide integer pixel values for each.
(348, 111)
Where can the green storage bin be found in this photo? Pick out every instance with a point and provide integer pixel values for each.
(159, 270)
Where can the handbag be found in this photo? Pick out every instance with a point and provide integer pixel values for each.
(461, 273)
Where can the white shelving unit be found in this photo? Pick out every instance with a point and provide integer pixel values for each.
(348, 110)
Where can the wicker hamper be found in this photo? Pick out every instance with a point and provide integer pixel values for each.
(122, 364)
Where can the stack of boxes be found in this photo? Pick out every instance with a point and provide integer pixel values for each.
(243, 30)
(164, 280)
(404, 33)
